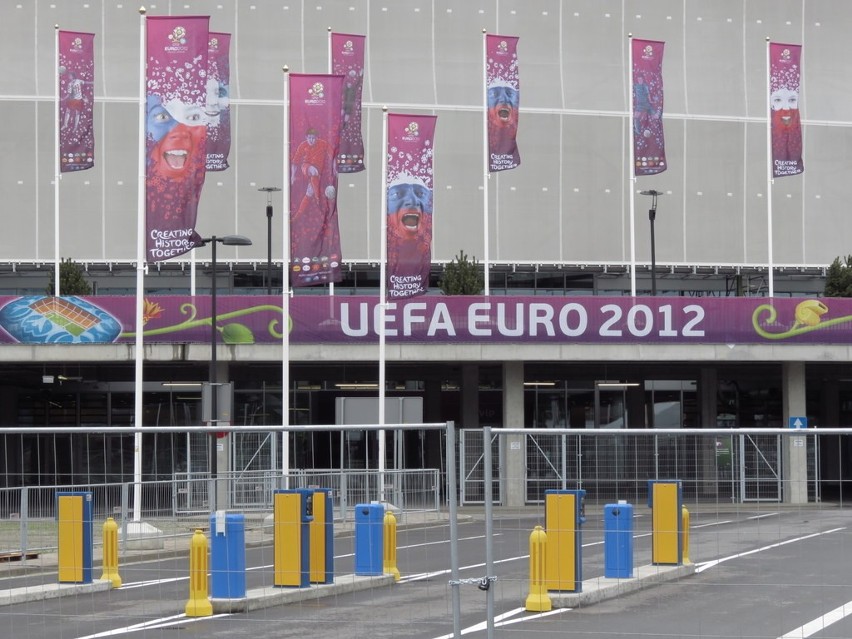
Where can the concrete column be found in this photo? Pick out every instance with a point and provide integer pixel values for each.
(431, 414)
(795, 463)
(708, 386)
(224, 463)
(512, 475)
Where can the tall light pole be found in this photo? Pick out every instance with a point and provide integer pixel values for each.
(227, 240)
(269, 190)
(652, 215)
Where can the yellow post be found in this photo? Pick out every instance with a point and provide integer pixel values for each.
(111, 553)
(199, 604)
(390, 546)
(684, 514)
(538, 600)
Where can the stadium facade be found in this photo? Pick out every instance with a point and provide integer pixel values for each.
(561, 227)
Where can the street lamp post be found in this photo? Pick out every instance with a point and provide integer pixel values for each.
(652, 215)
(227, 240)
(269, 190)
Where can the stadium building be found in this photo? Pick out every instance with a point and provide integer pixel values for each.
(568, 334)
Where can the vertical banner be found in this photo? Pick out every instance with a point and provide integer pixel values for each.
(76, 101)
(315, 124)
(647, 79)
(409, 196)
(217, 105)
(503, 93)
(347, 59)
(786, 125)
(175, 132)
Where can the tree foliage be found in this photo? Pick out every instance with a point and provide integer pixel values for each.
(838, 278)
(462, 276)
(72, 280)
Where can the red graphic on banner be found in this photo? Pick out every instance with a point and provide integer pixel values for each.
(315, 123)
(503, 93)
(175, 132)
(76, 101)
(347, 59)
(786, 124)
(649, 144)
(409, 207)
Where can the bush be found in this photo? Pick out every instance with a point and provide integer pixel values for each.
(71, 279)
(838, 278)
(462, 277)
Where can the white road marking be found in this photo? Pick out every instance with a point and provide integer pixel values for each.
(820, 623)
(163, 622)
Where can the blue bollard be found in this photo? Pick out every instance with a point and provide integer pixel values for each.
(227, 556)
(369, 539)
(618, 541)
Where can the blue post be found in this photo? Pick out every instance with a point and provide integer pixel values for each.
(369, 539)
(618, 541)
(227, 556)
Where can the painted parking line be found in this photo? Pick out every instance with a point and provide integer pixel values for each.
(820, 623)
(162, 622)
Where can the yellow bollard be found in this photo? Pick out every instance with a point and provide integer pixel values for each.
(390, 546)
(198, 605)
(111, 553)
(538, 600)
(684, 522)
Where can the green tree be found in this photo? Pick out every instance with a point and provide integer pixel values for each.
(462, 277)
(72, 280)
(838, 278)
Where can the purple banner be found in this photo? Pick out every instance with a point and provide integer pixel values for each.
(217, 106)
(41, 319)
(786, 125)
(347, 59)
(76, 101)
(175, 132)
(649, 144)
(409, 208)
(315, 123)
(503, 91)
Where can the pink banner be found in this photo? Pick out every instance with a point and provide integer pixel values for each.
(76, 101)
(649, 144)
(409, 208)
(315, 124)
(503, 92)
(175, 132)
(217, 106)
(786, 125)
(347, 59)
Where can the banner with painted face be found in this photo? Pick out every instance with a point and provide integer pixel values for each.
(175, 132)
(785, 123)
(347, 59)
(409, 206)
(315, 124)
(76, 101)
(217, 105)
(649, 143)
(503, 91)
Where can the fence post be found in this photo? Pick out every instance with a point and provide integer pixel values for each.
(24, 521)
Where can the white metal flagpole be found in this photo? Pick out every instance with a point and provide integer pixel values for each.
(330, 71)
(632, 168)
(140, 283)
(382, 299)
(486, 166)
(769, 177)
(57, 172)
(285, 289)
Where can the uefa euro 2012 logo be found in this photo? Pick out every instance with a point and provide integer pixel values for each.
(77, 45)
(503, 47)
(317, 91)
(178, 35)
(213, 44)
(348, 47)
(412, 130)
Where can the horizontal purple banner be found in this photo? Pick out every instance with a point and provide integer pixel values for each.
(42, 319)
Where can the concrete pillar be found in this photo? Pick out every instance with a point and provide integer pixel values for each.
(512, 475)
(708, 386)
(795, 463)
(432, 414)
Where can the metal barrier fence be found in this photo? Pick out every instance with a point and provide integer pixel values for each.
(719, 465)
(27, 514)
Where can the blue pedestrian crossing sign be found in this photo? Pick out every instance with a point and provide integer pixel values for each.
(798, 422)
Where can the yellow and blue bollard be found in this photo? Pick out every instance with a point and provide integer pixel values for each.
(110, 563)
(390, 566)
(538, 600)
(199, 603)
